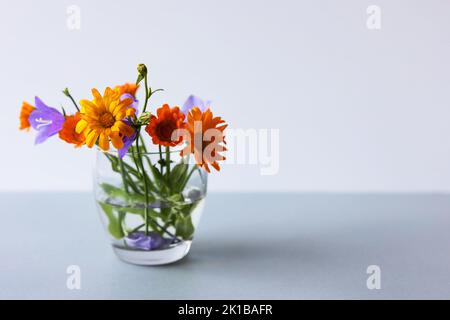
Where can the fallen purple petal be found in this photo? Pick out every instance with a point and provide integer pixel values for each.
(152, 241)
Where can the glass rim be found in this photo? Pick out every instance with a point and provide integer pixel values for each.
(115, 152)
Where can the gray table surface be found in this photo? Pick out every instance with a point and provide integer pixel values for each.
(248, 246)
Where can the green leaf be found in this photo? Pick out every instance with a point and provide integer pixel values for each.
(114, 224)
(177, 176)
(187, 209)
(121, 221)
(114, 162)
(151, 185)
(184, 227)
(165, 213)
(140, 211)
(131, 198)
(139, 79)
(176, 199)
(159, 179)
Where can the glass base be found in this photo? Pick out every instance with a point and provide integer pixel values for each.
(153, 257)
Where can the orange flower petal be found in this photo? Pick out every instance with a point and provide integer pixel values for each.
(208, 121)
(81, 125)
(25, 112)
(116, 140)
(162, 127)
(91, 138)
(68, 132)
(102, 119)
(103, 142)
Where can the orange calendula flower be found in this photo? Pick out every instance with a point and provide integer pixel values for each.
(68, 132)
(162, 127)
(206, 138)
(101, 119)
(128, 88)
(25, 112)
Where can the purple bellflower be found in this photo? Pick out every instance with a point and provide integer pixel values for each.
(46, 120)
(194, 101)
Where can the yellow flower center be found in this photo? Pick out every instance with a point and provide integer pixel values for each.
(107, 120)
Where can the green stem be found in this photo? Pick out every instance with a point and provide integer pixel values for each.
(189, 176)
(132, 184)
(67, 93)
(140, 166)
(144, 175)
(74, 103)
(141, 172)
(124, 179)
(149, 162)
(127, 172)
(163, 229)
(160, 159)
(137, 228)
(144, 148)
(168, 162)
(147, 96)
(135, 160)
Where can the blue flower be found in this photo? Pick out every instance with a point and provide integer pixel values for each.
(46, 120)
(194, 101)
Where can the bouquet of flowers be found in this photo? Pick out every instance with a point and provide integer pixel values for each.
(150, 177)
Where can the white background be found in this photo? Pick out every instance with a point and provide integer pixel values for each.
(358, 110)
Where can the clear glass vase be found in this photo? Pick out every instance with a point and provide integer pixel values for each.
(150, 204)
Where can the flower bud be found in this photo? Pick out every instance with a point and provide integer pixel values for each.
(142, 69)
(144, 118)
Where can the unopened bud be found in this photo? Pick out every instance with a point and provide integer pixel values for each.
(142, 69)
(144, 118)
